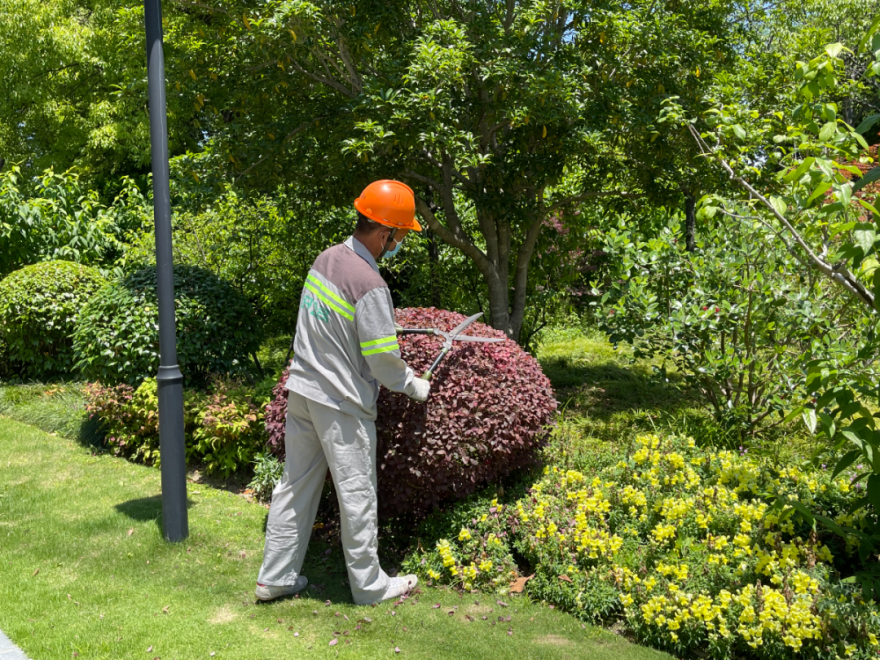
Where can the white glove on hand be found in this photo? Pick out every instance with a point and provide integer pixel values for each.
(422, 389)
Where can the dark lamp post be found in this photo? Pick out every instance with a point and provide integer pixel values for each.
(169, 380)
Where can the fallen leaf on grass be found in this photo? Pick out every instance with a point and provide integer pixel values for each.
(565, 578)
(165, 609)
(35, 573)
(397, 649)
(502, 603)
(334, 642)
(366, 619)
(149, 649)
(435, 607)
(517, 586)
(468, 617)
(131, 531)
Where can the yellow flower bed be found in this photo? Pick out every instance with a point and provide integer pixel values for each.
(683, 544)
(478, 555)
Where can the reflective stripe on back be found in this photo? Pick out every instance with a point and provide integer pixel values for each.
(335, 302)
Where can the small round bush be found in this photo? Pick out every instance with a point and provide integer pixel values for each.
(38, 311)
(488, 414)
(117, 337)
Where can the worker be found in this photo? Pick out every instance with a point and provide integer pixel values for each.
(345, 347)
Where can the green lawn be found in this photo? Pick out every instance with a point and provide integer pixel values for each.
(85, 573)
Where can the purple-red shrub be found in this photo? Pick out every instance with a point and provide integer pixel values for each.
(488, 413)
(274, 416)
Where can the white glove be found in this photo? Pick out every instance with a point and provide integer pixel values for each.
(422, 389)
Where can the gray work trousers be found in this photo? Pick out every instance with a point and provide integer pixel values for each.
(317, 436)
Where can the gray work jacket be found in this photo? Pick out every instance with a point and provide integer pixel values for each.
(346, 344)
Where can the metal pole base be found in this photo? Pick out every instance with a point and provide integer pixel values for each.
(175, 524)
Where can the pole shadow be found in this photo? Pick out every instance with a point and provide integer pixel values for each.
(143, 509)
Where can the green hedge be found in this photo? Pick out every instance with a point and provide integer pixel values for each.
(117, 338)
(39, 305)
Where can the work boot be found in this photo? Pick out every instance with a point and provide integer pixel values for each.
(399, 586)
(269, 592)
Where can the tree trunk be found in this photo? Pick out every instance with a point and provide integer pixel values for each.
(434, 266)
(433, 252)
(493, 264)
(690, 222)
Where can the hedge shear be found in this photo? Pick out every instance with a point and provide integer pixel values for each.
(451, 336)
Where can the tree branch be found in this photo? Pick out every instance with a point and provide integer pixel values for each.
(299, 128)
(454, 237)
(838, 272)
(339, 87)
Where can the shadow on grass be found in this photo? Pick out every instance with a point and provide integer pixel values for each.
(606, 389)
(144, 509)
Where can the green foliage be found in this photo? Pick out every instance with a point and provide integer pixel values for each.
(263, 245)
(503, 115)
(735, 318)
(813, 195)
(56, 408)
(222, 428)
(478, 555)
(268, 471)
(75, 87)
(681, 543)
(5, 361)
(39, 305)
(228, 430)
(117, 337)
(57, 218)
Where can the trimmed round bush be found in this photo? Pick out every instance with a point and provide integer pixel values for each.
(489, 412)
(38, 312)
(117, 337)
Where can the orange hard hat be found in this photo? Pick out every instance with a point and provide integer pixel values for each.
(390, 203)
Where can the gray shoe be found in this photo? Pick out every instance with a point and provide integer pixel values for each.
(269, 592)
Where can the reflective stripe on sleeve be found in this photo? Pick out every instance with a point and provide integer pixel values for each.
(376, 342)
(381, 349)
